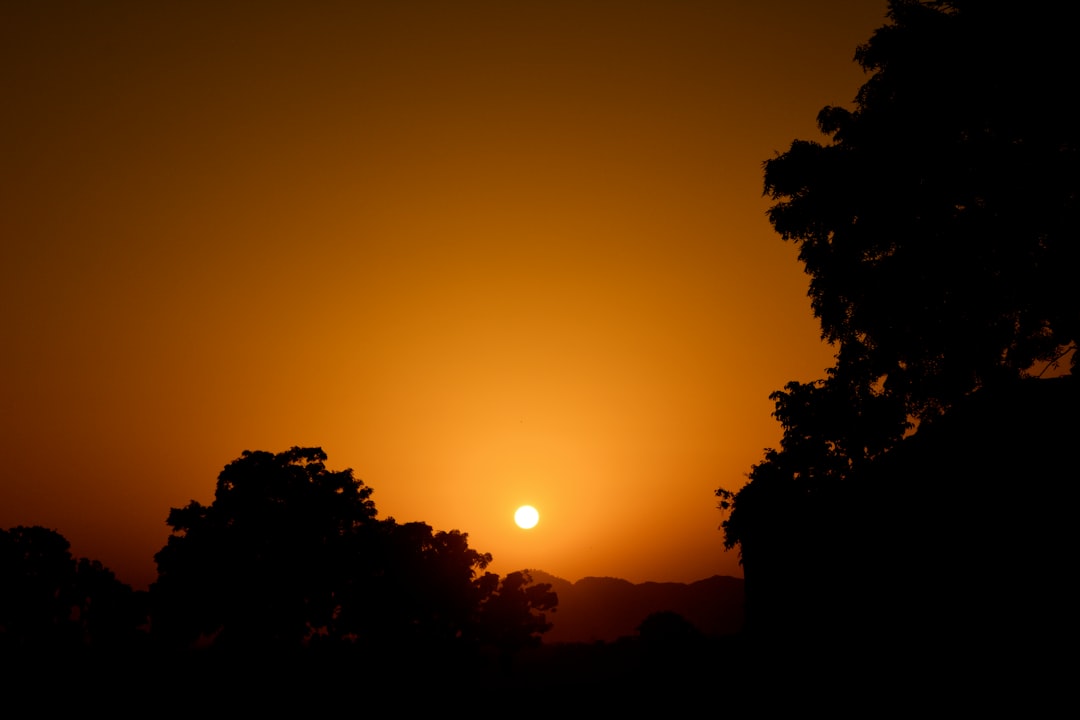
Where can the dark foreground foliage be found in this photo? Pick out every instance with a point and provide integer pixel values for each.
(286, 589)
(292, 555)
(913, 525)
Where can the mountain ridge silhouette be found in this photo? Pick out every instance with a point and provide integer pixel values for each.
(604, 609)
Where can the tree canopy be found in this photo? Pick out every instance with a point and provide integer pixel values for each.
(291, 553)
(265, 559)
(939, 227)
(513, 614)
(52, 602)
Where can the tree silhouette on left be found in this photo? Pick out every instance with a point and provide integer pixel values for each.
(263, 563)
(290, 553)
(50, 602)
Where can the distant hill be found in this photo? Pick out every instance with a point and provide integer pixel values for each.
(606, 609)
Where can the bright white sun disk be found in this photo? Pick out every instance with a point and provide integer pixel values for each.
(526, 517)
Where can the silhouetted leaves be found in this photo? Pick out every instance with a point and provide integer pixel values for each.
(938, 227)
(51, 603)
(290, 554)
(418, 588)
(513, 615)
(263, 563)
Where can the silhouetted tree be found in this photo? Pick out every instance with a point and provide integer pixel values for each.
(668, 637)
(52, 603)
(290, 553)
(938, 227)
(418, 588)
(111, 615)
(266, 561)
(512, 616)
(38, 578)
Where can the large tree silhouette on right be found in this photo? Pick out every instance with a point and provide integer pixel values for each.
(939, 229)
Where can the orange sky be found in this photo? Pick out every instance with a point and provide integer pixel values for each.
(483, 253)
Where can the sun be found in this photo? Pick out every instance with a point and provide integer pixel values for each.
(526, 517)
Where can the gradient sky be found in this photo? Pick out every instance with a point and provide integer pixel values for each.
(483, 253)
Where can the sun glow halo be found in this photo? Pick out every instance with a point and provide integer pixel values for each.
(526, 517)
